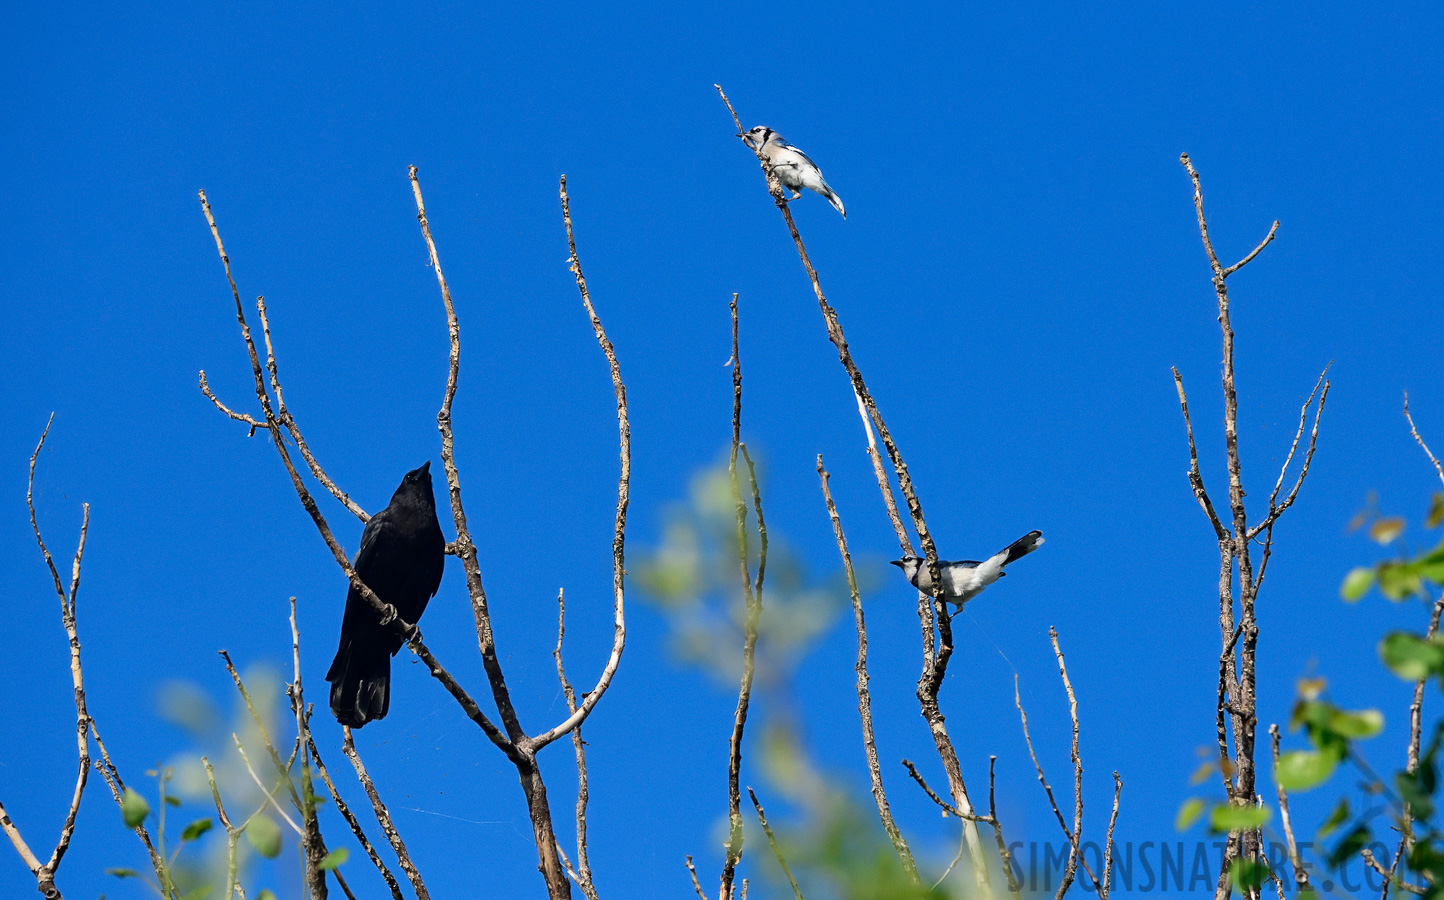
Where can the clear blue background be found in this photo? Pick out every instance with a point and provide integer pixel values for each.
(1020, 269)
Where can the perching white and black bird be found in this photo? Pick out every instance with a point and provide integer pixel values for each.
(794, 169)
(401, 559)
(965, 579)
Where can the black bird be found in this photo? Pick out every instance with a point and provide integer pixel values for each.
(401, 557)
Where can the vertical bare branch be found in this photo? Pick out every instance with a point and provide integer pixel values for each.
(753, 598)
(935, 624)
(864, 697)
(1108, 842)
(1416, 722)
(1234, 549)
(312, 846)
(582, 874)
(1004, 856)
(1077, 768)
(465, 548)
(1301, 875)
(383, 817)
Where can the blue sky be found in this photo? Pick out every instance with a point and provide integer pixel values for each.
(1019, 270)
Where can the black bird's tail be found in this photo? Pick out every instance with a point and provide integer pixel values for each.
(1023, 546)
(360, 679)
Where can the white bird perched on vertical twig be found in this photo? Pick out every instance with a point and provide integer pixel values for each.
(964, 580)
(794, 169)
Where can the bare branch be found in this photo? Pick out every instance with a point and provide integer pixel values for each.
(1077, 770)
(351, 820)
(286, 420)
(1301, 875)
(1373, 863)
(239, 417)
(1278, 509)
(619, 534)
(12, 832)
(772, 839)
(409, 632)
(1195, 477)
(383, 817)
(696, 885)
(113, 780)
(1108, 842)
(753, 598)
(1419, 440)
(864, 697)
(1268, 238)
(45, 872)
(582, 875)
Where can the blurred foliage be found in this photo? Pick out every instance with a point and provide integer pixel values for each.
(194, 861)
(693, 578)
(832, 841)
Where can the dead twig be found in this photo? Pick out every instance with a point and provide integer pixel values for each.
(45, 872)
(383, 817)
(864, 697)
(582, 874)
(776, 850)
(1420, 441)
(752, 595)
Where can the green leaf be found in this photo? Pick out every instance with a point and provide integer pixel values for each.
(265, 835)
(123, 873)
(172, 801)
(1386, 530)
(1188, 813)
(1247, 873)
(196, 829)
(1357, 583)
(1364, 723)
(266, 895)
(1300, 770)
(1350, 845)
(1436, 512)
(333, 859)
(199, 893)
(1417, 792)
(1238, 818)
(133, 808)
(1411, 657)
(1336, 818)
(1399, 581)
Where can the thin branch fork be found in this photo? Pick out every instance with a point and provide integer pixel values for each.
(388, 614)
(45, 872)
(935, 658)
(1239, 677)
(619, 533)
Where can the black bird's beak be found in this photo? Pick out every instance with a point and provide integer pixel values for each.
(425, 468)
(896, 562)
